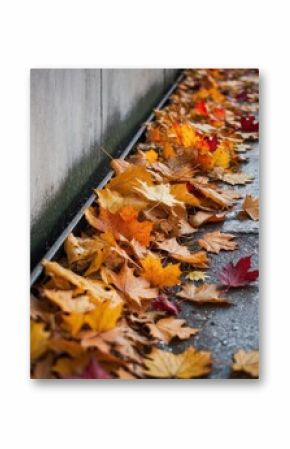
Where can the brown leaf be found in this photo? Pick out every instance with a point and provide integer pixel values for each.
(251, 207)
(136, 288)
(206, 293)
(64, 299)
(168, 328)
(213, 195)
(201, 218)
(96, 289)
(182, 253)
(216, 241)
(236, 178)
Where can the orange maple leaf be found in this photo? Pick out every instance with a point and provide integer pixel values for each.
(125, 222)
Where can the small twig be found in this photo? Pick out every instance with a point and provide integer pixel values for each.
(106, 153)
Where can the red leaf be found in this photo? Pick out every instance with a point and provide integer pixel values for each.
(93, 370)
(238, 275)
(163, 303)
(249, 124)
(212, 142)
(242, 96)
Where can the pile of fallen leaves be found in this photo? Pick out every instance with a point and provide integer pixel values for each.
(105, 309)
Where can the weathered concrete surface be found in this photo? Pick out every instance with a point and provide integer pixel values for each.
(226, 329)
(73, 114)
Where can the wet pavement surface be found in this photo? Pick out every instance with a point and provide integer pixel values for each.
(226, 329)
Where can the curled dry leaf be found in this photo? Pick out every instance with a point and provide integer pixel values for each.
(182, 253)
(96, 289)
(186, 365)
(216, 241)
(212, 195)
(201, 218)
(168, 328)
(206, 293)
(247, 362)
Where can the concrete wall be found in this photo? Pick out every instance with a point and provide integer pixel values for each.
(73, 113)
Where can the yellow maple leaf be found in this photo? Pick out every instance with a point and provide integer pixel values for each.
(181, 193)
(102, 318)
(38, 339)
(158, 275)
(186, 365)
(125, 182)
(113, 201)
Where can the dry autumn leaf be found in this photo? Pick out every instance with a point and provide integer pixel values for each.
(206, 293)
(201, 218)
(179, 252)
(64, 299)
(158, 275)
(238, 274)
(125, 222)
(168, 328)
(236, 178)
(96, 289)
(136, 288)
(159, 193)
(125, 182)
(247, 362)
(103, 317)
(114, 201)
(251, 207)
(214, 242)
(186, 365)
